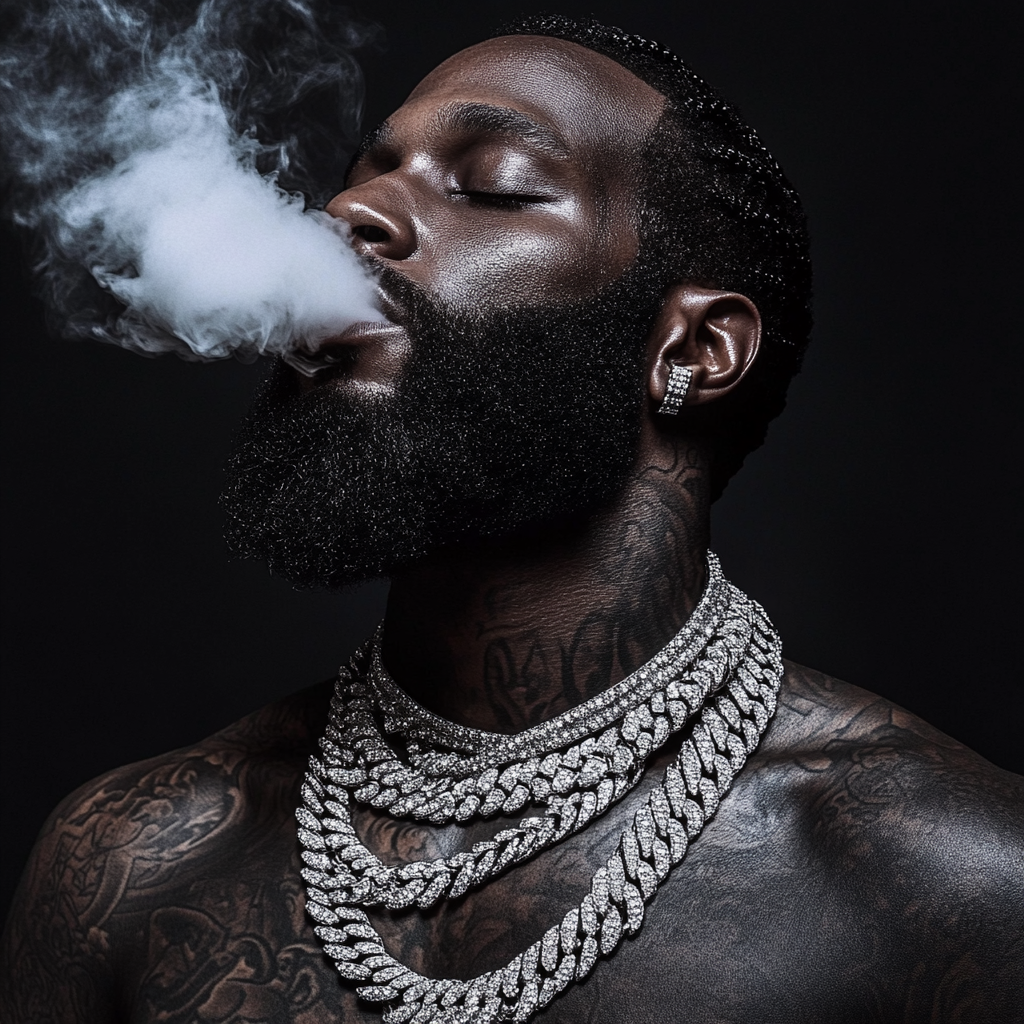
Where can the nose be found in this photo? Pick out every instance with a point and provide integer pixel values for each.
(380, 228)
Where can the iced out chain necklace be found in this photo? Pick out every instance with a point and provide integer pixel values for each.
(718, 678)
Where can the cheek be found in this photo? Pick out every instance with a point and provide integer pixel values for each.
(558, 254)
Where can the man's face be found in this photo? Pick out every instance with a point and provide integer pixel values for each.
(498, 205)
(507, 175)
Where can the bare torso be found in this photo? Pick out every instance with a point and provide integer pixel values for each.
(863, 868)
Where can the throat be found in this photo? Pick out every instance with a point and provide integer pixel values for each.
(502, 635)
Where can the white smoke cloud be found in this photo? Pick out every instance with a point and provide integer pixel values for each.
(133, 158)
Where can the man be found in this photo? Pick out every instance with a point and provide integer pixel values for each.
(596, 287)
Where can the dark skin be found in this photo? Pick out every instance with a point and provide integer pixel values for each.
(864, 866)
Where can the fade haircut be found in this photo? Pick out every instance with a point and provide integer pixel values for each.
(715, 210)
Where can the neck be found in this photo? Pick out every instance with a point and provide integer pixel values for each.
(502, 635)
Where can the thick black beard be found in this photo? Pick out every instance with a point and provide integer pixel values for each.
(502, 421)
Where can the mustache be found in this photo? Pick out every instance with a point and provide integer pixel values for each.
(402, 301)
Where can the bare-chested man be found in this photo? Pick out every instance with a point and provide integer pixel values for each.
(568, 226)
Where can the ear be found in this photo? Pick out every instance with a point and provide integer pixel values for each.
(715, 334)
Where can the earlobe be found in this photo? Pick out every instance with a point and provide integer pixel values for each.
(704, 338)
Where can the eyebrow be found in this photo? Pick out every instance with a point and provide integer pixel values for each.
(485, 117)
(470, 117)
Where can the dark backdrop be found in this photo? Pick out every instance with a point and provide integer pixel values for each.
(878, 526)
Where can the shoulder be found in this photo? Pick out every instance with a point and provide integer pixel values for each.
(186, 799)
(923, 837)
(135, 831)
(888, 761)
(863, 763)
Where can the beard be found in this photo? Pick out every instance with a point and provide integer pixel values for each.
(503, 421)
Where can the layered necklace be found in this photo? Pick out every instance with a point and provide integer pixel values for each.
(714, 684)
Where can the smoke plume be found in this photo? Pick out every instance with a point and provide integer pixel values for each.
(165, 162)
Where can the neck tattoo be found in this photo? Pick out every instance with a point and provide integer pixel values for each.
(716, 683)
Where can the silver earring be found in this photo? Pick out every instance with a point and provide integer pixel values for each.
(675, 393)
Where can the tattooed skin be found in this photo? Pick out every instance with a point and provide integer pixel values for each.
(534, 646)
(864, 867)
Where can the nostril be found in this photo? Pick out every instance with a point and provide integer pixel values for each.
(371, 233)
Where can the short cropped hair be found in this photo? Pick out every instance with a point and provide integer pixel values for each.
(715, 210)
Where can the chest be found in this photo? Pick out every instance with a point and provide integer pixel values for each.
(743, 930)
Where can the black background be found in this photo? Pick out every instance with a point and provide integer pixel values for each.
(879, 526)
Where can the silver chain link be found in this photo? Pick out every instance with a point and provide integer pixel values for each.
(724, 680)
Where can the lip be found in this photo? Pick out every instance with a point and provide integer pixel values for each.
(338, 348)
(338, 352)
(357, 332)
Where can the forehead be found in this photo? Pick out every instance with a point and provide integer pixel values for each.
(587, 98)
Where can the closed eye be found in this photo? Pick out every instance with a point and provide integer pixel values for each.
(504, 199)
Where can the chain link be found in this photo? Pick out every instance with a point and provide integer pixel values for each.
(727, 690)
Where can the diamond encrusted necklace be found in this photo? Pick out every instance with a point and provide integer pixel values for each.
(715, 682)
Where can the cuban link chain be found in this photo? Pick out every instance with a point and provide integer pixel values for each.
(576, 784)
(725, 683)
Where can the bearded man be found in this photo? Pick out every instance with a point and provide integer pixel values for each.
(570, 778)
